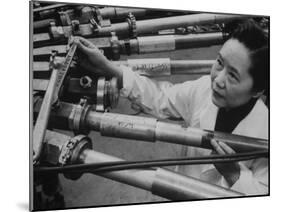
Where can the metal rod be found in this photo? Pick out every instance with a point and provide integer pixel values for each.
(113, 12)
(43, 117)
(50, 7)
(155, 67)
(43, 23)
(151, 129)
(165, 183)
(152, 67)
(143, 45)
(160, 182)
(161, 43)
(146, 26)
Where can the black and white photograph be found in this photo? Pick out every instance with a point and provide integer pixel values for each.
(138, 105)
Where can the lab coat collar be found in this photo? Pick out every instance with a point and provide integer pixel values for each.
(208, 115)
(257, 115)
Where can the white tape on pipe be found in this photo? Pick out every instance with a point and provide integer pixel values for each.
(156, 43)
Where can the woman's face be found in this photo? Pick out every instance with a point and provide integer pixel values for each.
(231, 82)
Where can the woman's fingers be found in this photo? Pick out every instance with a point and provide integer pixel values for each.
(226, 148)
(217, 147)
(86, 43)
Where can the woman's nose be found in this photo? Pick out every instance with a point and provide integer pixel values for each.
(220, 79)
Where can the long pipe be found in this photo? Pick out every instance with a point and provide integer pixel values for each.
(161, 182)
(146, 26)
(43, 117)
(143, 45)
(113, 12)
(161, 43)
(105, 13)
(148, 129)
(153, 67)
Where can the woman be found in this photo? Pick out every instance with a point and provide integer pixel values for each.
(228, 100)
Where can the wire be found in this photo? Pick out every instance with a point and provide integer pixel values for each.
(122, 165)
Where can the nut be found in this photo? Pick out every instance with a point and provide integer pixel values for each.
(53, 146)
(86, 82)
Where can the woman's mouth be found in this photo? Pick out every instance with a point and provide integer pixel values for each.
(217, 94)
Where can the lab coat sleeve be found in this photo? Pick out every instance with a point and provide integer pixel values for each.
(253, 180)
(158, 98)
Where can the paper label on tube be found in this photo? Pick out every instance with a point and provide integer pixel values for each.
(151, 67)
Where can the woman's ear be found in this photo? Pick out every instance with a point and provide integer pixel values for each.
(258, 94)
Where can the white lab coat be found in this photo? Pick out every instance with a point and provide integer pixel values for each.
(192, 102)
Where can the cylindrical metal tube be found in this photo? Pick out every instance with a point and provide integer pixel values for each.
(152, 67)
(155, 67)
(113, 12)
(178, 187)
(198, 40)
(147, 26)
(160, 43)
(123, 126)
(139, 178)
(43, 116)
(161, 182)
(167, 132)
(191, 66)
(149, 44)
(43, 23)
(150, 129)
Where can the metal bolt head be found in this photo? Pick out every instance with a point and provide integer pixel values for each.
(53, 146)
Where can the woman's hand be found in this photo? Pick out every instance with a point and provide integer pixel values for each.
(230, 171)
(90, 57)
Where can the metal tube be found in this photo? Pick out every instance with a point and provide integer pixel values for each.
(113, 12)
(150, 129)
(43, 23)
(50, 7)
(165, 183)
(43, 117)
(178, 187)
(153, 67)
(139, 178)
(161, 182)
(198, 40)
(147, 44)
(191, 66)
(150, 26)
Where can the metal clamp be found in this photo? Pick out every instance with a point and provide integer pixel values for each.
(100, 94)
(95, 26)
(132, 25)
(113, 92)
(75, 27)
(77, 116)
(66, 156)
(115, 46)
(67, 151)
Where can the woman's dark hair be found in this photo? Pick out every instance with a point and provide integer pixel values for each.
(255, 39)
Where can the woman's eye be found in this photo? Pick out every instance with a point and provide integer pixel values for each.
(232, 76)
(219, 64)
